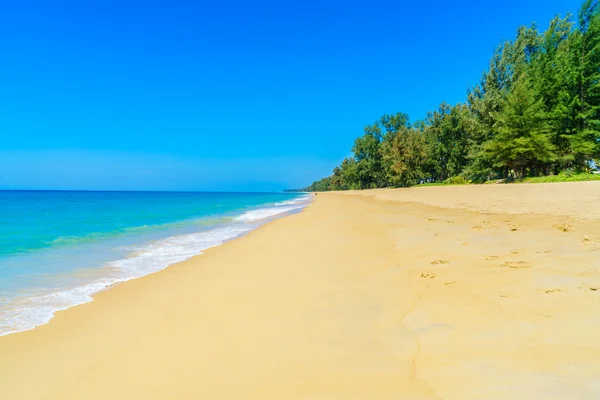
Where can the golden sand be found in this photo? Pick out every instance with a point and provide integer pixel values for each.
(481, 292)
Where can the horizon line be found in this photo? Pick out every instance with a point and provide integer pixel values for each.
(140, 191)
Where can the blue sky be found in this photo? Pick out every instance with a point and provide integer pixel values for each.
(226, 95)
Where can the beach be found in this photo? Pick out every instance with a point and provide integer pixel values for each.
(455, 292)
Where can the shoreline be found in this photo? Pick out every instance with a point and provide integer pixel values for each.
(373, 294)
(28, 312)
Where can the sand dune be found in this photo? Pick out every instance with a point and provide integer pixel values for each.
(481, 292)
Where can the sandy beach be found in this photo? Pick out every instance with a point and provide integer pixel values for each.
(473, 292)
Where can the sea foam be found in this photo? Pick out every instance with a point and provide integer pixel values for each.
(299, 200)
(35, 308)
(259, 215)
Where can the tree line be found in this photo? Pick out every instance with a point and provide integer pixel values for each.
(536, 111)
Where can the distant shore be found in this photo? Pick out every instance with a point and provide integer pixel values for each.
(454, 292)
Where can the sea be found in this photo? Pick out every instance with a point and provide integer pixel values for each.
(58, 248)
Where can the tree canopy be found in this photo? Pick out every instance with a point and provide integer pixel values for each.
(535, 111)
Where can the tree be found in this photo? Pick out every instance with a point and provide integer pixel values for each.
(485, 99)
(521, 138)
(368, 158)
(585, 106)
(393, 123)
(553, 78)
(322, 185)
(369, 169)
(447, 134)
(535, 110)
(404, 156)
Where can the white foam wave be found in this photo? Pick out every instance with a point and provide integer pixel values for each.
(27, 312)
(158, 255)
(264, 213)
(32, 309)
(21, 314)
(299, 200)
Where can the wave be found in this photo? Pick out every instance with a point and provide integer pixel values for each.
(31, 309)
(96, 236)
(299, 200)
(156, 256)
(27, 312)
(277, 209)
(265, 213)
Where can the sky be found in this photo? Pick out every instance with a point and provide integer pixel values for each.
(227, 95)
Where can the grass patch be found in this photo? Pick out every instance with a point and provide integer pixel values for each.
(455, 180)
(432, 184)
(561, 178)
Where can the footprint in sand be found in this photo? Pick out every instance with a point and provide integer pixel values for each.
(586, 240)
(491, 258)
(516, 264)
(563, 227)
(477, 228)
(428, 276)
(488, 225)
(438, 262)
(552, 290)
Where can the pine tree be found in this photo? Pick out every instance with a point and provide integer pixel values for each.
(404, 156)
(367, 154)
(521, 139)
(585, 105)
(552, 76)
(448, 133)
(536, 110)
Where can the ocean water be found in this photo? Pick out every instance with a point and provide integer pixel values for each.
(58, 248)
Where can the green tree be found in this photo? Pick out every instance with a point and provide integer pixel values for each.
(369, 169)
(368, 158)
(322, 185)
(447, 134)
(404, 156)
(585, 106)
(521, 139)
(553, 78)
(393, 123)
(535, 110)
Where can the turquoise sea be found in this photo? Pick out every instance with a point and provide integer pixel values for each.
(57, 248)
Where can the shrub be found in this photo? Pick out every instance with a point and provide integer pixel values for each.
(457, 180)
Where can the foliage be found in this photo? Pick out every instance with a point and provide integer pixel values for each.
(583, 176)
(521, 132)
(534, 114)
(458, 180)
(404, 156)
